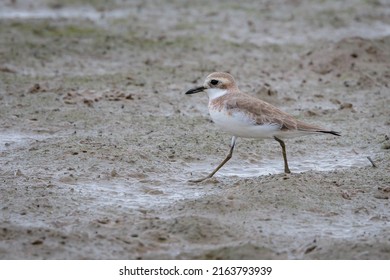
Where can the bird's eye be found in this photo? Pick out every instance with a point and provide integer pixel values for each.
(214, 82)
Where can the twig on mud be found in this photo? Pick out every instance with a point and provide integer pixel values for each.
(372, 162)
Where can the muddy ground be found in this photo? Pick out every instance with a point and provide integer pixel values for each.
(98, 140)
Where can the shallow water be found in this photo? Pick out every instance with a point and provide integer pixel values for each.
(149, 194)
(335, 160)
(154, 192)
(158, 192)
(137, 196)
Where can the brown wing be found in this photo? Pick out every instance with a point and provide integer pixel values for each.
(265, 113)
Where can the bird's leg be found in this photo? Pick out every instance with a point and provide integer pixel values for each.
(286, 169)
(229, 156)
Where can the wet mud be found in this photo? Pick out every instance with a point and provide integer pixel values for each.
(98, 141)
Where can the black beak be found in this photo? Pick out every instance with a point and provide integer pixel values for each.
(195, 90)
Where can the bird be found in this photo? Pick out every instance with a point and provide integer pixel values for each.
(242, 115)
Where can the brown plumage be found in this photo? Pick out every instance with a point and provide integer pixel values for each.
(243, 115)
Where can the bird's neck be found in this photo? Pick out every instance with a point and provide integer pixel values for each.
(214, 93)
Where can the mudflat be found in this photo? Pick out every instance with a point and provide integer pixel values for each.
(98, 141)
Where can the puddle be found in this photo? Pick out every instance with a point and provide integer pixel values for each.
(336, 160)
(149, 195)
(137, 196)
(161, 192)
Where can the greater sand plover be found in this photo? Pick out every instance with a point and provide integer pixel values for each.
(243, 115)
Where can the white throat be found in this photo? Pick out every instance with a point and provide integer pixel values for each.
(215, 92)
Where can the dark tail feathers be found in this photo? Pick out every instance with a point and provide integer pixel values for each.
(330, 132)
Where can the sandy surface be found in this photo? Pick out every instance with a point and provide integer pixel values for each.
(98, 140)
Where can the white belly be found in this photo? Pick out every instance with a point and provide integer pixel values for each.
(239, 124)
